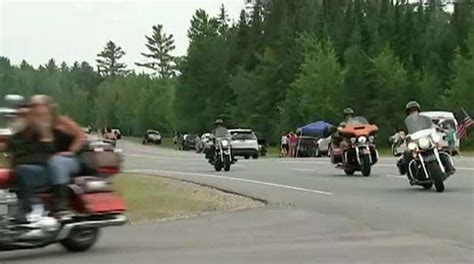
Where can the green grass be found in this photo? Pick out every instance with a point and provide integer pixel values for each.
(150, 198)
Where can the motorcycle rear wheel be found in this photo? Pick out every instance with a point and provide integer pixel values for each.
(80, 240)
(218, 165)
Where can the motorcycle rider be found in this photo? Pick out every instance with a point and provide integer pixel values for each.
(414, 108)
(337, 140)
(220, 131)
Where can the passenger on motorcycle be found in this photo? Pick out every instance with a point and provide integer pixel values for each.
(67, 139)
(29, 149)
(414, 108)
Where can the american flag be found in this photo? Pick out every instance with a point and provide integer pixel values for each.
(464, 125)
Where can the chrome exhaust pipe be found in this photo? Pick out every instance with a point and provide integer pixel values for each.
(117, 220)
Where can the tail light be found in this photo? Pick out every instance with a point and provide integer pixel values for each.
(108, 170)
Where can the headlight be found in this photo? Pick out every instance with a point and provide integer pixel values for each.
(353, 140)
(371, 138)
(436, 138)
(362, 140)
(225, 143)
(412, 146)
(424, 143)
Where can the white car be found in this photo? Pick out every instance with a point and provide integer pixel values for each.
(244, 143)
(323, 147)
(443, 120)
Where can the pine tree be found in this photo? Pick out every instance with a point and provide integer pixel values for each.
(159, 45)
(109, 60)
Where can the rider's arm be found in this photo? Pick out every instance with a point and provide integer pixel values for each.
(74, 130)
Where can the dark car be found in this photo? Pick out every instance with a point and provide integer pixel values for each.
(262, 144)
(307, 146)
(151, 136)
(188, 141)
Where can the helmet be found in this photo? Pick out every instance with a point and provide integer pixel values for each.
(348, 111)
(412, 104)
(219, 122)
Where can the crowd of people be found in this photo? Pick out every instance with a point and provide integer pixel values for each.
(289, 144)
(43, 153)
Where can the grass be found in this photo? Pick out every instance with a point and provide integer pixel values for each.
(151, 198)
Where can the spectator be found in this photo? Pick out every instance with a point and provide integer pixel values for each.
(293, 140)
(284, 145)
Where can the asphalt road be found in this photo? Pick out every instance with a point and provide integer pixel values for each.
(315, 214)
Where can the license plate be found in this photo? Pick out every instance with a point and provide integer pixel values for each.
(3, 209)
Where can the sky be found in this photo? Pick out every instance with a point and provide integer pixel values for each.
(70, 30)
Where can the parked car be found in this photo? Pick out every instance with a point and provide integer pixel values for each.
(244, 143)
(151, 136)
(117, 132)
(204, 142)
(262, 144)
(323, 147)
(188, 141)
(442, 120)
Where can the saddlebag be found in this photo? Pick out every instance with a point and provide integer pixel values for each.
(99, 159)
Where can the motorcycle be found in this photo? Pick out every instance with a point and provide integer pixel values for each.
(398, 145)
(222, 158)
(427, 166)
(361, 152)
(94, 205)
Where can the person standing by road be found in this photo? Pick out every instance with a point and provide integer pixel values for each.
(284, 145)
(293, 140)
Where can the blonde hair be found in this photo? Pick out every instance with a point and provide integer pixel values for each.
(41, 99)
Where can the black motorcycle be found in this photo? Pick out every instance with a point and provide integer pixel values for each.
(428, 165)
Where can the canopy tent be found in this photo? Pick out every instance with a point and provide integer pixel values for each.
(316, 128)
(313, 129)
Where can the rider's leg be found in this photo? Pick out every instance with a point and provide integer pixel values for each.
(28, 178)
(61, 169)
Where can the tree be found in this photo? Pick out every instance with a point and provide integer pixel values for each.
(109, 60)
(202, 26)
(159, 45)
(223, 20)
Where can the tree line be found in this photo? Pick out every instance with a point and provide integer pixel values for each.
(281, 64)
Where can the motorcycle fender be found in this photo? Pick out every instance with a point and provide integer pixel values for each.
(98, 203)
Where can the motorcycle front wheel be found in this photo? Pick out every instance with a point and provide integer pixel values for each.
(80, 240)
(365, 166)
(437, 175)
(226, 163)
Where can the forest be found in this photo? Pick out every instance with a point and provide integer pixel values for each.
(280, 64)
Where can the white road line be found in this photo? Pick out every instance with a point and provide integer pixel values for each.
(301, 169)
(171, 173)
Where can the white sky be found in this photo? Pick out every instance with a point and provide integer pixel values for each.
(68, 30)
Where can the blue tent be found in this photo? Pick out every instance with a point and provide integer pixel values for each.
(316, 128)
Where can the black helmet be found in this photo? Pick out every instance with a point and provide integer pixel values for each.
(348, 111)
(219, 122)
(412, 105)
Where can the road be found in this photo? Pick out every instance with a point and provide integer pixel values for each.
(315, 214)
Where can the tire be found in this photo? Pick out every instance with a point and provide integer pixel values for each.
(246, 157)
(349, 171)
(255, 156)
(317, 152)
(227, 163)
(218, 165)
(436, 175)
(80, 240)
(427, 186)
(439, 185)
(144, 142)
(365, 167)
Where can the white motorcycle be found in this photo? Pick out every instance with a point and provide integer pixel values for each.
(222, 158)
(428, 164)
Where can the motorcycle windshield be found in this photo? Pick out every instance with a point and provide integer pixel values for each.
(357, 121)
(415, 123)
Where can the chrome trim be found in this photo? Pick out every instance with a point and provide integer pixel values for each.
(357, 155)
(116, 221)
(435, 151)
(428, 176)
